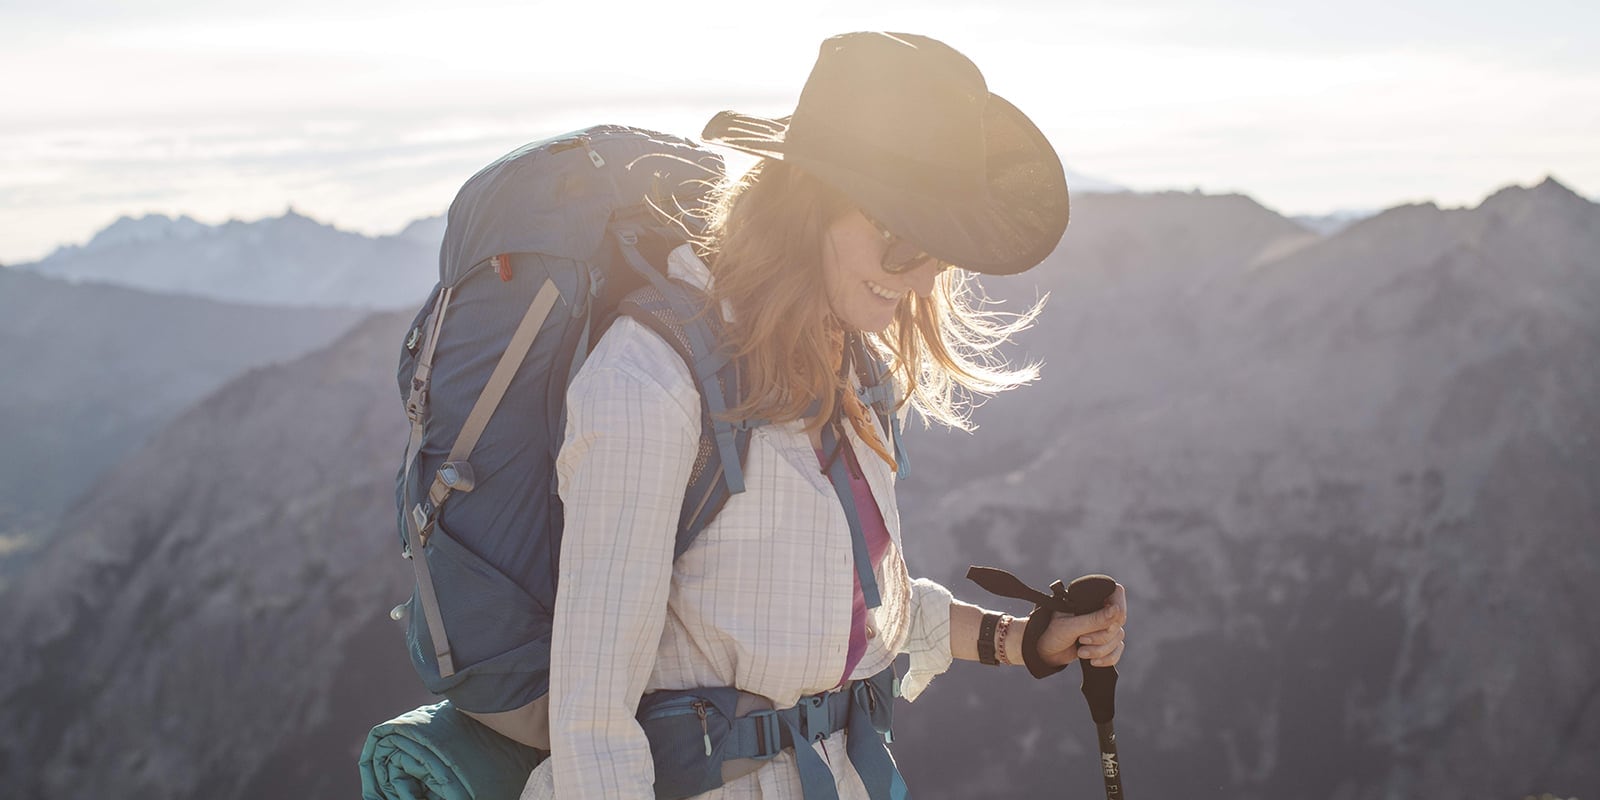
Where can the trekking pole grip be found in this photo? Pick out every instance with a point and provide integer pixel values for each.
(1087, 595)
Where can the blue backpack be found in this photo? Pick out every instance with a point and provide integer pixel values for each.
(543, 249)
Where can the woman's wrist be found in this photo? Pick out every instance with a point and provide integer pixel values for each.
(1000, 639)
(966, 629)
(1008, 640)
(987, 638)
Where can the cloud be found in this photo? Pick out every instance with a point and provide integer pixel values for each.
(371, 113)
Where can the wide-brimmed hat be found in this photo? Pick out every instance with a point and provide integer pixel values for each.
(906, 127)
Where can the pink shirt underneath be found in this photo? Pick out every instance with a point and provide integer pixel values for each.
(877, 535)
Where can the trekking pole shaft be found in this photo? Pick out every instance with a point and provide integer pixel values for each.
(1108, 760)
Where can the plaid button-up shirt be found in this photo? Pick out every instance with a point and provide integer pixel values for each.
(760, 601)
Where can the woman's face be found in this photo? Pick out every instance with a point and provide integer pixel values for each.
(861, 294)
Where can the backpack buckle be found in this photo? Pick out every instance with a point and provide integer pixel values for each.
(422, 517)
(814, 717)
(417, 401)
(769, 733)
(458, 476)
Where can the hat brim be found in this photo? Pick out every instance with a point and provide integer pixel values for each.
(1013, 225)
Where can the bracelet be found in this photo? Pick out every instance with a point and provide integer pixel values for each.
(986, 638)
(1000, 638)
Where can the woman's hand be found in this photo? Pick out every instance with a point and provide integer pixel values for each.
(1098, 637)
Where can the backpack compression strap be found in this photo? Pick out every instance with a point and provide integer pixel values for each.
(418, 525)
(455, 474)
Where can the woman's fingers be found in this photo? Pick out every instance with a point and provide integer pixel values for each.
(1099, 635)
(1107, 660)
(1096, 645)
(1087, 624)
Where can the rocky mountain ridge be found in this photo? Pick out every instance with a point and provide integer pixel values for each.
(1370, 457)
(290, 260)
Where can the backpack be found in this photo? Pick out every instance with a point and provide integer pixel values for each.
(541, 250)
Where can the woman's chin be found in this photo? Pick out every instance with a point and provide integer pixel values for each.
(876, 325)
(876, 318)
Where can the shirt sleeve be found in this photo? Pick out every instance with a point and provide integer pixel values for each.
(633, 429)
(929, 640)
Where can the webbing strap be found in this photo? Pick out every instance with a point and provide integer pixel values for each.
(430, 599)
(870, 731)
(839, 473)
(416, 410)
(863, 709)
(495, 390)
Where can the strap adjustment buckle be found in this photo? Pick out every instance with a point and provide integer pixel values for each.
(458, 476)
(417, 401)
(769, 732)
(814, 717)
(422, 518)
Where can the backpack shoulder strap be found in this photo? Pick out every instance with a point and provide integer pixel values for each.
(675, 312)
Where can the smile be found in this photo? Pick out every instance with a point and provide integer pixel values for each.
(882, 292)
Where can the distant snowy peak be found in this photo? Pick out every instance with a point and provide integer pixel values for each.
(148, 228)
(288, 260)
(1331, 223)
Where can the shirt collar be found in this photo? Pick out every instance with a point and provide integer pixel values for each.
(684, 265)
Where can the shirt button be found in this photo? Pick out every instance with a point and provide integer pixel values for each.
(872, 633)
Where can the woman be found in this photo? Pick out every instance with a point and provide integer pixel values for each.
(896, 164)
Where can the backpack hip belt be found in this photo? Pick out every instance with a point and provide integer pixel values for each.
(693, 731)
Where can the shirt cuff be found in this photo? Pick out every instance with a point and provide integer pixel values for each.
(929, 642)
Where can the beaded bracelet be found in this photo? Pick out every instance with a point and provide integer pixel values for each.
(986, 639)
(1000, 638)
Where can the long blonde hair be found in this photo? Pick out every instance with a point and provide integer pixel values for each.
(763, 244)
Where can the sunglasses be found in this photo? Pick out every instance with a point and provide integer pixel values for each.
(899, 255)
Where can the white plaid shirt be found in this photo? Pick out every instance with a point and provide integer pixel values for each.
(760, 601)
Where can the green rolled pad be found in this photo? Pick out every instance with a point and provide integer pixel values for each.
(438, 753)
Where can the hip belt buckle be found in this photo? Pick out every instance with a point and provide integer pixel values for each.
(814, 722)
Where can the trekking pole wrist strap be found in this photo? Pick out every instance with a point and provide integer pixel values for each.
(1038, 621)
(998, 581)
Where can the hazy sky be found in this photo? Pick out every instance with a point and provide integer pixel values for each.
(369, 114)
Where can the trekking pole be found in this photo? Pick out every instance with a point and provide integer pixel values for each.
(1087, 595)
(1084, 595)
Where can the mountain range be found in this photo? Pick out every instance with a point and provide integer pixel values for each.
(94, 370)
(1351, 474)
(291, 260)
(1351, 482)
